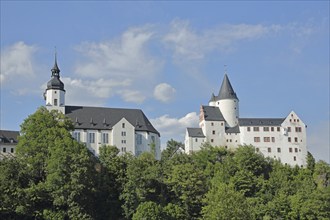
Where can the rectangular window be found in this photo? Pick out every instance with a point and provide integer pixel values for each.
(256, 139)
(266, 139)
(294, 158)
(4, 150)
(289, 129)
(212, 123)
(278, 150)
(211, 140)
(123, 149)
(123, 125)
(278, 129)
(248, 129)
(266, 128)
(296, 139)
(139, 139)
(123, 141)
(12, 150)
(123, 133)
(76, 136)
(55, 102)
(273, 139)
(213, 132)
(298, 129)
(290, 150)
(271, 128)
(105, 138)
(255, 128)
(91, 137)
(196, 139)
(289, 139)
(269, 150)
(296, 150)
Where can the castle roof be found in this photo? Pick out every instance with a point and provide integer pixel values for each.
(195, 132)
(212, 113)
(234, 130)
(260, 121)
(9, 137)
(226, 90)
(98, 118)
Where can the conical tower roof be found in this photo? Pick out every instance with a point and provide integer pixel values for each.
(226, 90)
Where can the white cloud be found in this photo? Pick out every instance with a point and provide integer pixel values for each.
(125, 59)
(17, 61)
(164, 92)
(174, 128)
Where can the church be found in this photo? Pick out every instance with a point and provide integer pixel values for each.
(220, 124)
(127, 129)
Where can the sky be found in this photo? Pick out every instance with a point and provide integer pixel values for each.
(167, 58)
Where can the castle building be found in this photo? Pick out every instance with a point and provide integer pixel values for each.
(8, 142)
(127, 129)
(220, 124)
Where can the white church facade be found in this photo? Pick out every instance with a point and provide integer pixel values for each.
(127, 129)
(220, 124)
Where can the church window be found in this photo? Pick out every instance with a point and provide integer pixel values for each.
(91, 137)
(248, 129)
(266, 139)
(289, 139)
(278, 150)
(290, 149)
(296, 139)
(269, 150)
(266, 128)
(105, 138)
(289, 129)
(76, 136)
(256, 139)
(139, 139)
(255, 128)
(55, 102)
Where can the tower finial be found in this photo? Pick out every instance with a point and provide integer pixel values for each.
(55, 69)
(225, 68)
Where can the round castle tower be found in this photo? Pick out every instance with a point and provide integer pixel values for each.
(55, 93)
(227, 102)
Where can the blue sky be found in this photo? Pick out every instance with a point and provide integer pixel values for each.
(166, 58)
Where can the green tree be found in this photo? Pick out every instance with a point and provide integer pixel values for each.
(148, 211)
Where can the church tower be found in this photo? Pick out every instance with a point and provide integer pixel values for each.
(227, 101)
(55, 93)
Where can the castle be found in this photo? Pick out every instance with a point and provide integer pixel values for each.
(127, 129)
(283, 139)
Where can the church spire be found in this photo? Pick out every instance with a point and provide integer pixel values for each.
(55, 70)
(226, 90)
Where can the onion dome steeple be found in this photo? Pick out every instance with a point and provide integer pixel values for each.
(55, 82)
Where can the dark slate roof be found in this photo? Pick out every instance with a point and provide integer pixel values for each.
(212, 113)
(212, 99)
(226, 90)
(55, 82)
(9, 137)
(260, 121)
(234, 130)
(105, 118)
(195, 132)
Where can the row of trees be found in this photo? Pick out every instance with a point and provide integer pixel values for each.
(54, 177)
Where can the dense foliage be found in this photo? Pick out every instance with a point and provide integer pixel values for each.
(54, 177)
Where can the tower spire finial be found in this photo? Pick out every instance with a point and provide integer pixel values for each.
(225, 68)
(55, 69)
